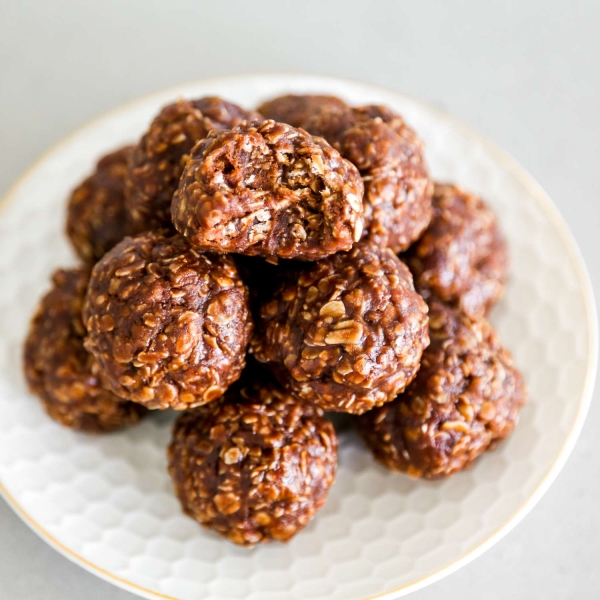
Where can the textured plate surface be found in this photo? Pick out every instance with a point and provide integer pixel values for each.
(106, 502)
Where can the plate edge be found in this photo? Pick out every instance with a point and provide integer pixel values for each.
(511, 165)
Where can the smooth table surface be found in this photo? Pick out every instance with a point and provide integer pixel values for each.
(526, 74)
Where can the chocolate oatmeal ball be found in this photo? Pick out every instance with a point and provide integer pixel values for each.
(160, 156)
(297, 109)
(96, 216)
(387, 152)
(464, 400)
(255, 466)
(389, 156)
(61, 372)
(462, 258)
(325, 116)
(347, 333)
(269, 189)
(167, 324)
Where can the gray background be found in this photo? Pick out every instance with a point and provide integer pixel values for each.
(526, 74)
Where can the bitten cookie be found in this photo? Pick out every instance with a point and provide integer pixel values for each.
(271, 190)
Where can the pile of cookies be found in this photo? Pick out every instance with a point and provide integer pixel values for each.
(254, 269)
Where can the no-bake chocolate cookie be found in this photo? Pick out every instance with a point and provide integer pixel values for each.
(61, 372)
(266, 188)
(160, 156)
(464, 400)
(255, 466)
(462, 257)
(96, 215)
(167, 324)
(325, 116)
(387, 152)
(389, 156)
(346, 333)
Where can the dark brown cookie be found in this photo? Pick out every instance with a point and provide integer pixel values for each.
(462, 257)
(464, 400)
(160, 156)
(325, 116)
(389, 156)
(320, 113)
(255, 466)
(387, 152)
(61, 372)
(96, 215)
(269, 189)
(346, 333)
(167, 324)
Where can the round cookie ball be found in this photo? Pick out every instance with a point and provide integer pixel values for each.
(255, 466)
(160, 156)
(387, 152)
(96, 215)
(167, 324)
(325, 116)
(462, 258)
(347, 333)
(464, 400)
(389, 156)
(297, 109)
(61, 372)
(268, 189)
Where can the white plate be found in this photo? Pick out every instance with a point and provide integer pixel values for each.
(106, 502)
